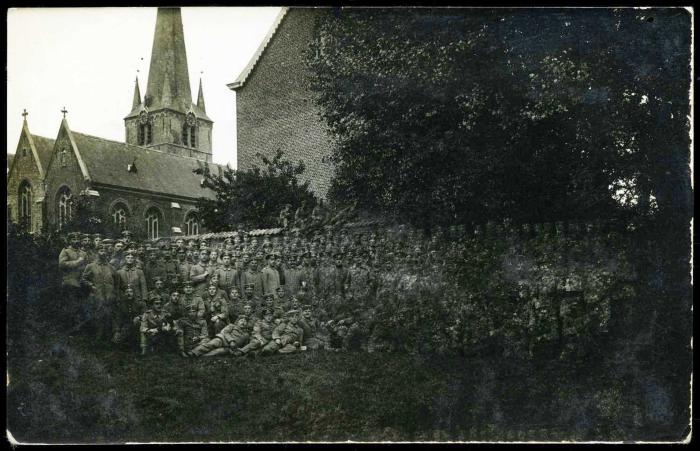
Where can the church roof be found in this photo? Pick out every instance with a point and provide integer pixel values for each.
(44, 147)
(259, 52)
(107, 161)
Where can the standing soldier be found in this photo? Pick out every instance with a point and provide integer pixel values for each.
(129, 274)
(226, 274)
(102, 281)
(86, 247)
(154, 267)
(339, 277)
(182, 268)
(170, 266)
(117, 259)
(252, 278)
(199, 273)
(270, 276)
(71, 264)
(293, 275)
(127, 316)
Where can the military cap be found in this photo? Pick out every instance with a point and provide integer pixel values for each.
(108, 241)
(204, 248)
(181, 251)
(291, 312)
(259, 256)
(129, 286)
(126, 233)
(157, 279)
(97, 235)
(73, 236)
(266, 312)
(154, 296)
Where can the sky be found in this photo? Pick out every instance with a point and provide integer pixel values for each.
(86, 60)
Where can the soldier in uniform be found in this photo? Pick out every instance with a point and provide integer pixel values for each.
(216, 310)
(261, 335)
(159, 290)
(154, 267)
(71, 263)
(192, 328)
(170, 266)
(130, 275)
(183, 266)
(313, 338)
(86, 247)
(117, 260)
(286, 337)
(102, 282)
(226, 342)
(191, 300)
(252, 277)
(155, 329)
(127, 316)
(235, 303)
(227, 274)
(174, 308)
(199, 273)
(270, 276)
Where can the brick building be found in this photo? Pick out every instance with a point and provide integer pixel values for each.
(275, 106)
(146, 184)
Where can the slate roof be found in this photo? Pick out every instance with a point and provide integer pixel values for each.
(44, 147)
(160, 172)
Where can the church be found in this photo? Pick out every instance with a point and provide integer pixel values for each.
(146, 184)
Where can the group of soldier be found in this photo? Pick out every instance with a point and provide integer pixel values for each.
(242, 296)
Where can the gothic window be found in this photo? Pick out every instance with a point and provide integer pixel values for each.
(119, 215)
(189, 131)
(24, 152)
(145, 134)
(192, 224)
(25, 204)
(64, 206)
(153, 220)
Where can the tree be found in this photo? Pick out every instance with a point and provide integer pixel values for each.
(445, 116)
(253, 198)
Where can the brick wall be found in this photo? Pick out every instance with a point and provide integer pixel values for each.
(276, 108)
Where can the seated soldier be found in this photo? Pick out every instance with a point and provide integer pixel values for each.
(191, 329)
(261, 335)
(225, 342)
(216, 310)
(219, 291)
(313, 337)
(174, 309)
(159, 289)
(156, 331)
(127, 316)
(235, 303)
(286, 337)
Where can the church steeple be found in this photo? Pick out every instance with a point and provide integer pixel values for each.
(166, 119)
(168, 70)
(200, 97)
(137, 95)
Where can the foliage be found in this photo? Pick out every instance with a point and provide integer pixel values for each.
(454, 116)
(253, 198)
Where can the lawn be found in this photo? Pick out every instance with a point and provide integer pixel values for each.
(71, 390)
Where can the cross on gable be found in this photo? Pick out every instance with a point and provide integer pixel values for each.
(64, 111)
(24, 113)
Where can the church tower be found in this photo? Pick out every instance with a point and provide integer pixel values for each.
(167, 119)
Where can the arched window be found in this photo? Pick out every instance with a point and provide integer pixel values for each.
(25, 204)
(119, 215)
(64, 207)
(145, 135)
(189, 136)
(192, 224)
(153, 220)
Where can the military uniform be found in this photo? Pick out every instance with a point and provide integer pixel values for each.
(216, 312)
(199, 276)
(155, 330)
(102, 280)
(270, 280)
(134, 277)
(284, 336)
(227, 341)
(260, 336)
(227, 278)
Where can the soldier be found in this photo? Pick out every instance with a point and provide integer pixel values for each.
(261, 335)
(199, 273)
(71, 263)
(154, 267)
(235, 303)
(159, 290)
(339, 277)
(216, 310)
(102, 281)
(130, 275)
(226, 342)
(170, 266)
(155, 329)
(192, 328)
(270, 276)
(191, 300)
(226, 274)
(174, 309)
(86, 247)
(313, 338)
(117, 259)
(126, 237)
(292, 276)
(127, 316)
(286, 337)
(252, 278)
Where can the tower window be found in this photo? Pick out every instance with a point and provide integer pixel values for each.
(145, 135)
(189, 135)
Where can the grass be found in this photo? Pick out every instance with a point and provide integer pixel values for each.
(75, 391)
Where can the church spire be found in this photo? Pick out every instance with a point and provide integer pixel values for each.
(200, 97)
(137, 95)
(168, 63)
